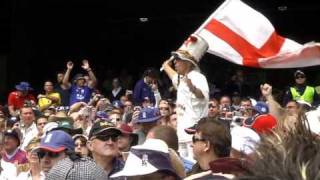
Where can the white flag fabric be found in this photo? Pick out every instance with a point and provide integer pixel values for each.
(242, 35)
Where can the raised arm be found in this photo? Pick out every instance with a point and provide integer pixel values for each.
(86, 66)
(274, 107)
(168, 69)
(66, 76)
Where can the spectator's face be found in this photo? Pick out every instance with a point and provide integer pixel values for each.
(124, 142)
(41, 123)
(115, 118)
(181, 66)
(128, 107)
(292, 108)
(22, 93)
(173, 121)
(27, 116)
(246, 105)
(60, 77)
(81, 82)
(10, 143)
(104, 144)
(300, 79)
(80, 122)
(199, 146)
(115, 83)
(48, 159)
(81, 147)
(33, 158)
(225, 101)
(48, 86)
(213, 109)
(164, 109)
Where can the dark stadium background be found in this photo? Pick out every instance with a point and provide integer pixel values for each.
(37, 37)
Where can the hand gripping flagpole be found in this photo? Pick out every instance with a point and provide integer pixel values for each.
(171, 59)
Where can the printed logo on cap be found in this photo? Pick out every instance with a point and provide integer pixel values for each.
(48, 138)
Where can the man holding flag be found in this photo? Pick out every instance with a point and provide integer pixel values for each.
(192, 89)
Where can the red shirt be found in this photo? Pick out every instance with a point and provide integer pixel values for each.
(17, 101)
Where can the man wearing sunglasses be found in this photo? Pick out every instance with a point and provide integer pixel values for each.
(301, 91)
(211, 144)
(103, 144)
(53, 148)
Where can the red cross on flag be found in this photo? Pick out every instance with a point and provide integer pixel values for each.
(240, 34)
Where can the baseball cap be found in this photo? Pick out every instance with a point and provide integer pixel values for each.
(298, 72)
(152, 156)
(23, 86)
(263, 123)
(148, 114)
(191, 130)
(261, 107)
(102, 115)
(13, 133)
(117, 104)
(244, 139)
(126, 129)
(78, 76)
(66, 124)
(103, 126)
(57, 141)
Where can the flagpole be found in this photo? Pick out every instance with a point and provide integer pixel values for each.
(225, 3)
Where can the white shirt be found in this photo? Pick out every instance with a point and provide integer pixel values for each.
(27, 176)
(190, 109)
(9, 170)
(116, 91)
(28, 134)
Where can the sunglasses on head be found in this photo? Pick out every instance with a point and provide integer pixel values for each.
(113, 137)
(42, 154)
(196, 139)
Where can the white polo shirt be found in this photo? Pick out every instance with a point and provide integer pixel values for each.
(190, 109)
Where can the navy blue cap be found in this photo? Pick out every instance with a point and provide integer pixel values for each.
(24, 86)
(261, 107)
(117, 104)
(57, 141)
(148, 115)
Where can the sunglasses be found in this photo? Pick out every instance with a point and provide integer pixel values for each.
(80, 144)
(113, 137)
(196, 139)
(300, 77)
(42, 154)
(212, 106)
(164, 108)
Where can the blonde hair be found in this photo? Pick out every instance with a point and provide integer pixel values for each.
(32, 144)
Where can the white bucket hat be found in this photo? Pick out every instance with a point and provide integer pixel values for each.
(150, 157)
(192, 50)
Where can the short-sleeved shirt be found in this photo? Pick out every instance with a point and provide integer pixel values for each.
(80, 94)
(190, 109)
(19, 156)
(43, 102)
(18, 101)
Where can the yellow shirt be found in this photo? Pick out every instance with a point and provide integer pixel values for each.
(46, 102)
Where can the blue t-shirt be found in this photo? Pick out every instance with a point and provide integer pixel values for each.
(142, 90)
(80, 94)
